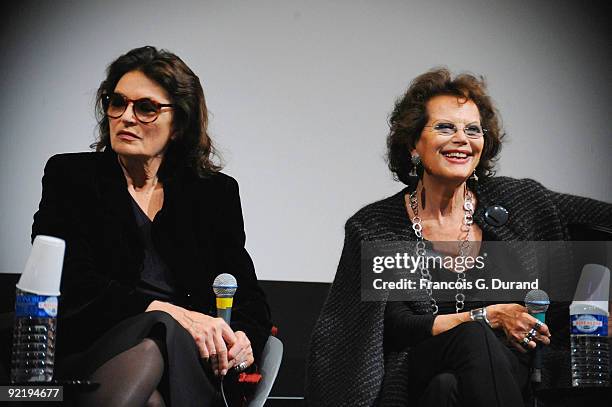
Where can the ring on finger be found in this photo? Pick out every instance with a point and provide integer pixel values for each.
(538, 324)
(532, 334)
(525, 342)
(242, 366)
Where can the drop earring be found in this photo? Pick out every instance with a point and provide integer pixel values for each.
(474, 177)
(416, 161)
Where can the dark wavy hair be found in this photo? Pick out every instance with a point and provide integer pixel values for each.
(409, 116)
(192, 146)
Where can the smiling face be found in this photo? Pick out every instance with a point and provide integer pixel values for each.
(450, 158)
(132, 138)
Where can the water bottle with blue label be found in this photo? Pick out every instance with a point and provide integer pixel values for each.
(34, 334)
(590, 353)
(36, 303)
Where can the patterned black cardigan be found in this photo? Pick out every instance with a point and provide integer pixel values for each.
(347, 365)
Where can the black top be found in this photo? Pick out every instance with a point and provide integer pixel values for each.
(400, 318)
(155, 277)
(198, 234)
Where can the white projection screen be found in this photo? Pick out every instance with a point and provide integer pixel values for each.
(299, 94)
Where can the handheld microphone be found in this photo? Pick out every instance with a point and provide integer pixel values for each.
(225, 287)
(537, 303)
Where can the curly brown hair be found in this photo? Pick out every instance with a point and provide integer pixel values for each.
(192, 146)
(409, 116)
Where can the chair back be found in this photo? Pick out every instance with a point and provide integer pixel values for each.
(271, 358)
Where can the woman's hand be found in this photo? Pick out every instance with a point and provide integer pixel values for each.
(210, 334)
(516, 323)
(241, 351)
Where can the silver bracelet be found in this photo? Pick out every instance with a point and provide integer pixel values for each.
(480, 314)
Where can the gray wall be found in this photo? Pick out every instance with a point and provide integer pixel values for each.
(299, 93)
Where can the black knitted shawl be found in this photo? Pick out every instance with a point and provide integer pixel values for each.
(347, 365)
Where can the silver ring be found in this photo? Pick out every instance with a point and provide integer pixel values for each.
(242, 366)
(532, 333)
(538, 324)
(525, 342)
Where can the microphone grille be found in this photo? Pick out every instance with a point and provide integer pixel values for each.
(537, 301)
(225, 285)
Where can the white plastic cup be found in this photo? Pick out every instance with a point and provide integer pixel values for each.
(43, 271)
(594, 287)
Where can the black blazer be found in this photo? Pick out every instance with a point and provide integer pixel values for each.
(199, 233)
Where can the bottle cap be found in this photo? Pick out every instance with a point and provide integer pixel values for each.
(43, 271)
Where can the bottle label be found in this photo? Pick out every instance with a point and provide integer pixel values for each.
(38, 306)
(589, 324)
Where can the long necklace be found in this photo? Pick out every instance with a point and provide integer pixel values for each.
(464, 246)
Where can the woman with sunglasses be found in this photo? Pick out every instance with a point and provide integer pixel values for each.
(428, 348)
(149, 222)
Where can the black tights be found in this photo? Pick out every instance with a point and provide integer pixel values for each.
(129, 379)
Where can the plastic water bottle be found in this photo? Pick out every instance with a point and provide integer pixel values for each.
(34, 335)
(35, 329)
(590, 353)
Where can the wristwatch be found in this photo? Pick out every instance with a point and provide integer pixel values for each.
(480, 314)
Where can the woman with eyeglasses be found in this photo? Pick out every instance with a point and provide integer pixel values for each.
(428, 349)
(149, 223)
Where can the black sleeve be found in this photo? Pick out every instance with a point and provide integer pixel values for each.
(404, 328)
(250, 312)
(582, 211)
(83, 285)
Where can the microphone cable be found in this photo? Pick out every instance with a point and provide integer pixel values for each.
(223, 392)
